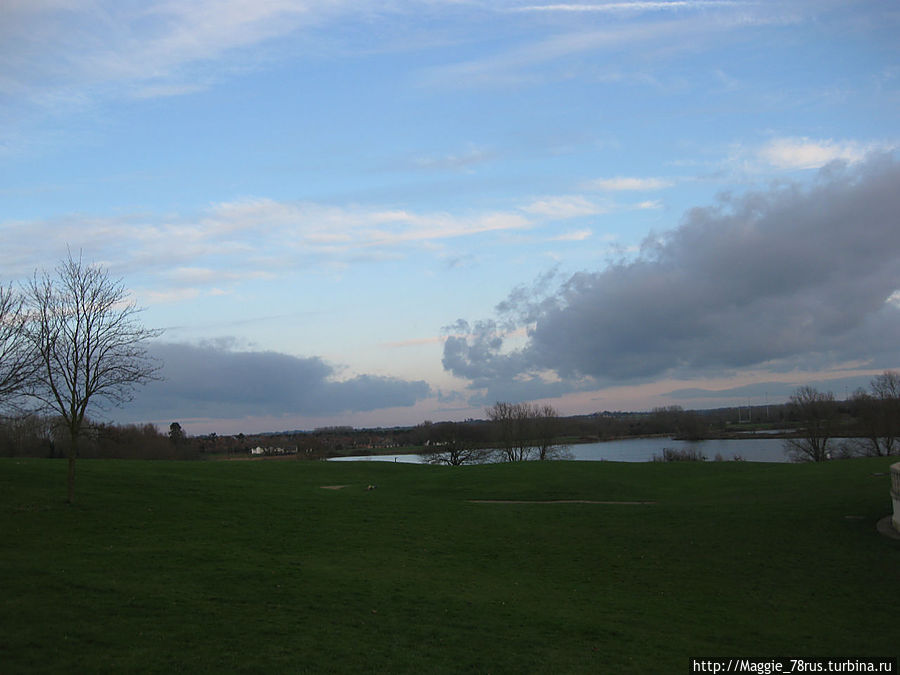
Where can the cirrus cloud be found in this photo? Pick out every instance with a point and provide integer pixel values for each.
(561, 207)
(243, 239)
(624, 183)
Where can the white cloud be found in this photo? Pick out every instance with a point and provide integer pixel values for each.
(414, 342)
(170, 296)
(59, 48)
(208, 275)
(635, 6)
(529, 62)
(567, 206)
(471, 156)
(807, 153)
(311, 224)
(239, 240)
(624, 184)
(649, 205)
(577, 235)
(163, 90)
(509, 67)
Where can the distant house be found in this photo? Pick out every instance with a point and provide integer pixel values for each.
(259, 450)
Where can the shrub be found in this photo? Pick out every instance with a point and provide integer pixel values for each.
(683, 455)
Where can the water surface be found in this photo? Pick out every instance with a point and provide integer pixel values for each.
(640, 450)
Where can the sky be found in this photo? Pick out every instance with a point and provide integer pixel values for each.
(380, 213)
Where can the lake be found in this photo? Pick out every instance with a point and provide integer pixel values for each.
(640, 450)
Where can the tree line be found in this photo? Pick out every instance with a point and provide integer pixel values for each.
(31, 435)
(867, 424)
(71, 342)
(513, 432)
(816, 426)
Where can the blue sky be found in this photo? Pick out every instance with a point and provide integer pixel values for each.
(384, 212)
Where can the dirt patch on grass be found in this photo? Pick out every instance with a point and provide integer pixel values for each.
(332, 487)
(552, 501)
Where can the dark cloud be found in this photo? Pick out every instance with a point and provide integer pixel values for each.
(476, 356)
(214, 381)
(790, 278)
(775, 392)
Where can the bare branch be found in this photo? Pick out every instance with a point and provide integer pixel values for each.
(17, 363)
(816, 412)
(89, 343)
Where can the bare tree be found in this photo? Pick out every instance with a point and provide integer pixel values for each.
(455, 444)
(91, 347)
(17, 362)
(879, 413)
(815, 411)
(510, 423)
(526, 431)
(546, 433)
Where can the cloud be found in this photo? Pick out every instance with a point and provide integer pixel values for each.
(633, 6)
(55, 50)
(576, 235)
(793, 278)
(775, 391)
(244, 239)
(472, 156)
(779, 391)
(806, 153)
(631, 37)
(516, 65)
(214, 381)
(317, 225)
(560, 207)
(622, 183)
(478, 356)
(413, 342)
(648, 205)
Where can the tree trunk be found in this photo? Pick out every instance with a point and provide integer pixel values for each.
(71, 498)
(73, 453)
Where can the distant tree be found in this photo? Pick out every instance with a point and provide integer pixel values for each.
(26, 435)
(176, 434)
(879, 415)
(91, 349)
(17, 362)
(684, 424)
(815, 413)
(510, 422)
(454, 444)
(526, 431)
(546, 431)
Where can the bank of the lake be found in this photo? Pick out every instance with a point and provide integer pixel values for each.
(638, 450)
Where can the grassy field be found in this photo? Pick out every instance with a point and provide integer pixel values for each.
(254, 567)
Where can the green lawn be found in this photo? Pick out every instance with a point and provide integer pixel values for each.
(253, 567)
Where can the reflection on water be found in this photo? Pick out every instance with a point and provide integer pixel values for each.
(405, 459)
(642, 450)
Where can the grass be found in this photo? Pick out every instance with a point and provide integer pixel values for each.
(253, 567)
